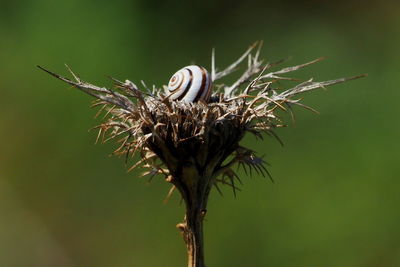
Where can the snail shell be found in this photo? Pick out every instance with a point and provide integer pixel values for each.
(190, 84)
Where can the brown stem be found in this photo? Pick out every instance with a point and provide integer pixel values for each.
(192, 231)
(195, 196)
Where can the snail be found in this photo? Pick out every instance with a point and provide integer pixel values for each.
(190, 84)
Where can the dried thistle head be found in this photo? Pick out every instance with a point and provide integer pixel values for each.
(196, 145)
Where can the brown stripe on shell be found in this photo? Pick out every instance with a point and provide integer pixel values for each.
(174, 80)
(188, 85)
(203, 84)
(180, 84)
(209, 91)
(208, 95)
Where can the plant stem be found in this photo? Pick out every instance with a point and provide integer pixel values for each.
(195, 197)
(193, 237)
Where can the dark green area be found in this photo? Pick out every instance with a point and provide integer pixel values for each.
(64, 202)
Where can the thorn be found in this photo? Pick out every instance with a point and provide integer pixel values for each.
(54, 74)
(171, 190)
(76, 77)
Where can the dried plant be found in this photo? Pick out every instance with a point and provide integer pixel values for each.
(196, 146)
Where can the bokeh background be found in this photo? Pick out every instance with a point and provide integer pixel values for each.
(65, 202)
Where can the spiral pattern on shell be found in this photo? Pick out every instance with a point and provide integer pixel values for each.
(190, 84)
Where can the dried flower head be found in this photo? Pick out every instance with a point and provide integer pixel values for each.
(196, 145)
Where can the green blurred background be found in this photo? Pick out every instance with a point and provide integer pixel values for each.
(65, 202)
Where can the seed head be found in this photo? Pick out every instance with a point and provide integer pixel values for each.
(198, 143)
